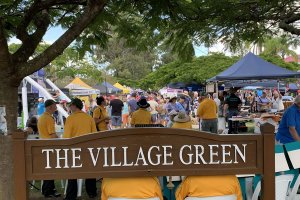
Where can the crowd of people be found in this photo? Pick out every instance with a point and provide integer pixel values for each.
(120, 111)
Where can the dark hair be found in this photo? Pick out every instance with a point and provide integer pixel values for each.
(99, 100)
(133, 95)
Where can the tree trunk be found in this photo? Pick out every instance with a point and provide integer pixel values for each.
(8, 99)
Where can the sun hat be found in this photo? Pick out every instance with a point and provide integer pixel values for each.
(173, 97)
(142, 103)
(182, 117)
(173, 112)
(50, 102)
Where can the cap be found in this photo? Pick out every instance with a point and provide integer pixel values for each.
(50, 102)
(77, 102)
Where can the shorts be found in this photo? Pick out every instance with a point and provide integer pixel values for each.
(154, 117)
(125, 118)
(116, 120)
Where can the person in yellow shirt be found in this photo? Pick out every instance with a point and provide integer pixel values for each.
(209, 186)
(134, 188)
(77, 124)
(207, 112)
(182, 120)
(142, 115)
(46, 129)
(100, 115)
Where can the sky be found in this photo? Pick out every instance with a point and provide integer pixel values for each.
(54, 33)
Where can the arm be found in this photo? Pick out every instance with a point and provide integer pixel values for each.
(68, 132)
(225, 110)
(132, 121)
(294, 133)
(51, 129)
(182, 190)
(103, 191)
(94, 129)
(238, 190)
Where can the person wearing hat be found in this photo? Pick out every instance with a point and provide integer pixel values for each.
(207, 112)
(46, 129)
(172, 110)
(77, 124)
(289, 127)
(182, 120)
(142, 115)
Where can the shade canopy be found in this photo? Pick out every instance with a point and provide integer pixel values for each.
(80, 88)
(252, 67)
(107, 87)
(124, 89)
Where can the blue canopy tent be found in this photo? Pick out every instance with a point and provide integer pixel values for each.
(106, 87)
(252, 67)
(192, 86)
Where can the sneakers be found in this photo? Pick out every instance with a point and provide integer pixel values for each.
(53, 195)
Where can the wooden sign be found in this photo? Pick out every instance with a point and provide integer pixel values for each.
(143, 152)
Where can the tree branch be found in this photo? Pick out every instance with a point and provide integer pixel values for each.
(93, 9)
(37, 7)
(29, 45)
(286, 24)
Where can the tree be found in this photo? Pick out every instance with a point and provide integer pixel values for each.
(280, 46)
(68, 64)
(230, 22)
(178, 24)
(198, 70)
(127, 64)
(29, 21)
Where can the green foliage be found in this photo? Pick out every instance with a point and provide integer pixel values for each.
(199, 70)
(277, 60)
(280, 46)
(126, 64)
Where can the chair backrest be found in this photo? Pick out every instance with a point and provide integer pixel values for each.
(293, 150)
(121, 198)
(225, 197)
(282, 184)
(280, 159)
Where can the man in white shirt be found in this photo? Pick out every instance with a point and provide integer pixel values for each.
(277, 101)
(153, 109)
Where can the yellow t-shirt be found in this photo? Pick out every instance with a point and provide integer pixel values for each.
(46, 125)
(134, 188)
(101, 113)
(79, 123)
(141, 116)
(207, 186)
(186, 125)
(207, 109)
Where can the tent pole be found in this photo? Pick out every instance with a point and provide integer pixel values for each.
(278, 85)
(217, 88)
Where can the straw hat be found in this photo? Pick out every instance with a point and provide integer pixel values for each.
(182, 117)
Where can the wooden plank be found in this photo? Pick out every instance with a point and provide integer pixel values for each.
(20, 182)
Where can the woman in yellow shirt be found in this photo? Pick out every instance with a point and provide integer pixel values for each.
(100, 115)
(182, 120)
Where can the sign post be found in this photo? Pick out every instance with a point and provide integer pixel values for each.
(141, 152)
